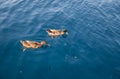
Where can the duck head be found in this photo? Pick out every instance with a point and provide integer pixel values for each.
(65, 31)
(44, 43)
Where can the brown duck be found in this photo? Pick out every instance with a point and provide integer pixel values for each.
(54, 32)
(32, 44)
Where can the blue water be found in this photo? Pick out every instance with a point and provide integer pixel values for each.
(90, 51)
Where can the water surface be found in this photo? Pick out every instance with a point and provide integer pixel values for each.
(90, 51)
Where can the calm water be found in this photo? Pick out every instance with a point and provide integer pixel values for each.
(90, 51)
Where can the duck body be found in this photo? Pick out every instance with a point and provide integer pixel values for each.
(32, 44)
(55, 33)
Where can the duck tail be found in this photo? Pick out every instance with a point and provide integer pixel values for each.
(48, 30)
(21, 41)
(24, 49)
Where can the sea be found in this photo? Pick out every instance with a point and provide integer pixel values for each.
(91, 50)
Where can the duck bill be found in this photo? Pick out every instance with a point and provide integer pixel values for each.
(66, 33)
(48, 44)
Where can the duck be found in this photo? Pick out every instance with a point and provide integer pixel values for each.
(32, 44)
(54, 32)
